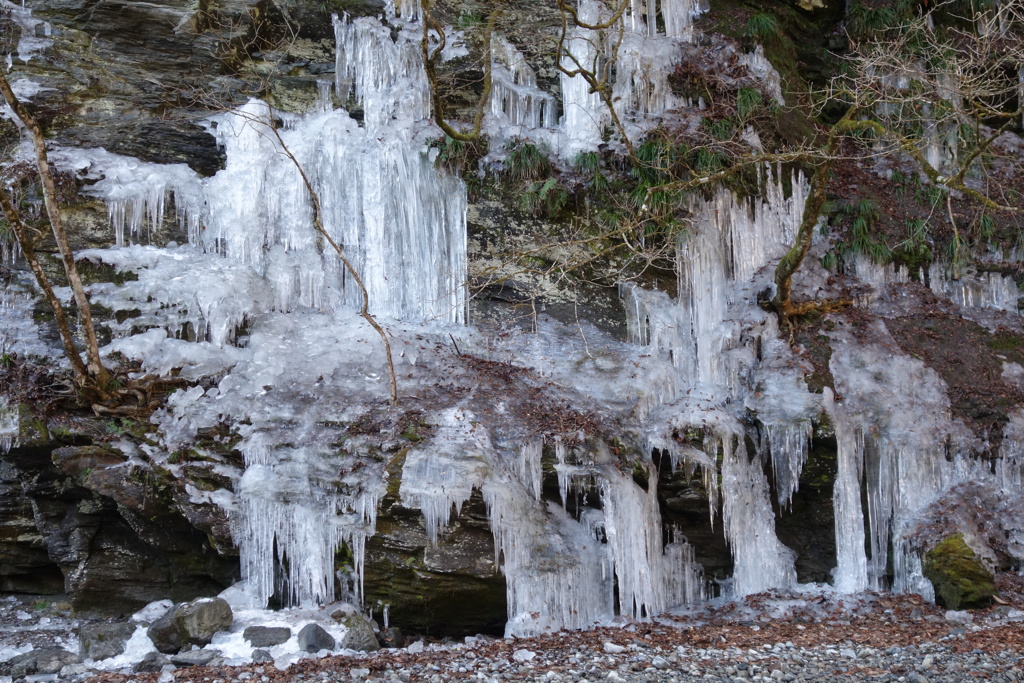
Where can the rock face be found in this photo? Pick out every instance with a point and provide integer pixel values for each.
(961, 581)
(452, 588)
(102, 641)
(193, 623)
(114, 536)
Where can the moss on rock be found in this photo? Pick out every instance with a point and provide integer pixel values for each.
(961, 581)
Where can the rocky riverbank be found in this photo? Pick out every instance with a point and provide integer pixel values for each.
(813, 635)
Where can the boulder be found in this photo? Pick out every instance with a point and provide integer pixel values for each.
(103, 640)
(261, 657)
(360, 635)
(391, 637)
(152, 662)
(312, 638)
(192, 623)
(266, 636)
(44, 660)
(961, 581)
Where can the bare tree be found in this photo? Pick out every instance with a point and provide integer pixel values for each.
(92, 377)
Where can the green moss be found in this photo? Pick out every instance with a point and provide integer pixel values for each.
(394, 472)
(961, 581)
(1006, 341)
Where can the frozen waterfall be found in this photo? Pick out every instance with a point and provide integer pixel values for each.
(712, 334)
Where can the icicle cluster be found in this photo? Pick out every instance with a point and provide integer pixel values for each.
(976, 290)
(644, 45)
(293, 516)
(515, 98)
(560, 571)
(385, 76)
(441, 479)
(726, 359)
(914, 454)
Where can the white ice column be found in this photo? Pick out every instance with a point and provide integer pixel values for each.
(851, 572)
(583, 113)
(760, 560)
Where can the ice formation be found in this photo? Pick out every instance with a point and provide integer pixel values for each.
(516, 100)
(713, 336)
(35, 33)
(915, 453)
(9, 425)
(261, 307)
(255, 256)
(969, 289)
(637, 52)
(976, 290)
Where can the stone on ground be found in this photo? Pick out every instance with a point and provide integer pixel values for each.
(961, 581)
(360, 635)
(41, 661)
(266, 636)
(313, 638)
(192, 623)
(103, 641)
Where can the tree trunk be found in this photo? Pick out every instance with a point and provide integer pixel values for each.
(97, 373)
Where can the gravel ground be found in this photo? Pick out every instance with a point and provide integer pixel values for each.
(809, 636)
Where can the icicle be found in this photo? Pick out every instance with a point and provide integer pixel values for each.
(679, 16)
(583, 113)
(851, 572)
(557, 573)
(290, 510)
(528, 466)
(10, 249)
(762, 69)
(975, 290)
(909, 462)
(760, 560)
(387, 76)
(323, 88)
(443, 477)
(1010, 464)
(649, 579)
(10, 426)
(515, 97)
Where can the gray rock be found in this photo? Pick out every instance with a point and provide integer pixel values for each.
(102, 641)
(261, 657)
(195, 657)
(391, 637)
(152, 662)
(72, 670)
(312, 638)
(43, 660)
(360, 635)
(192, 623)
(266, 636)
